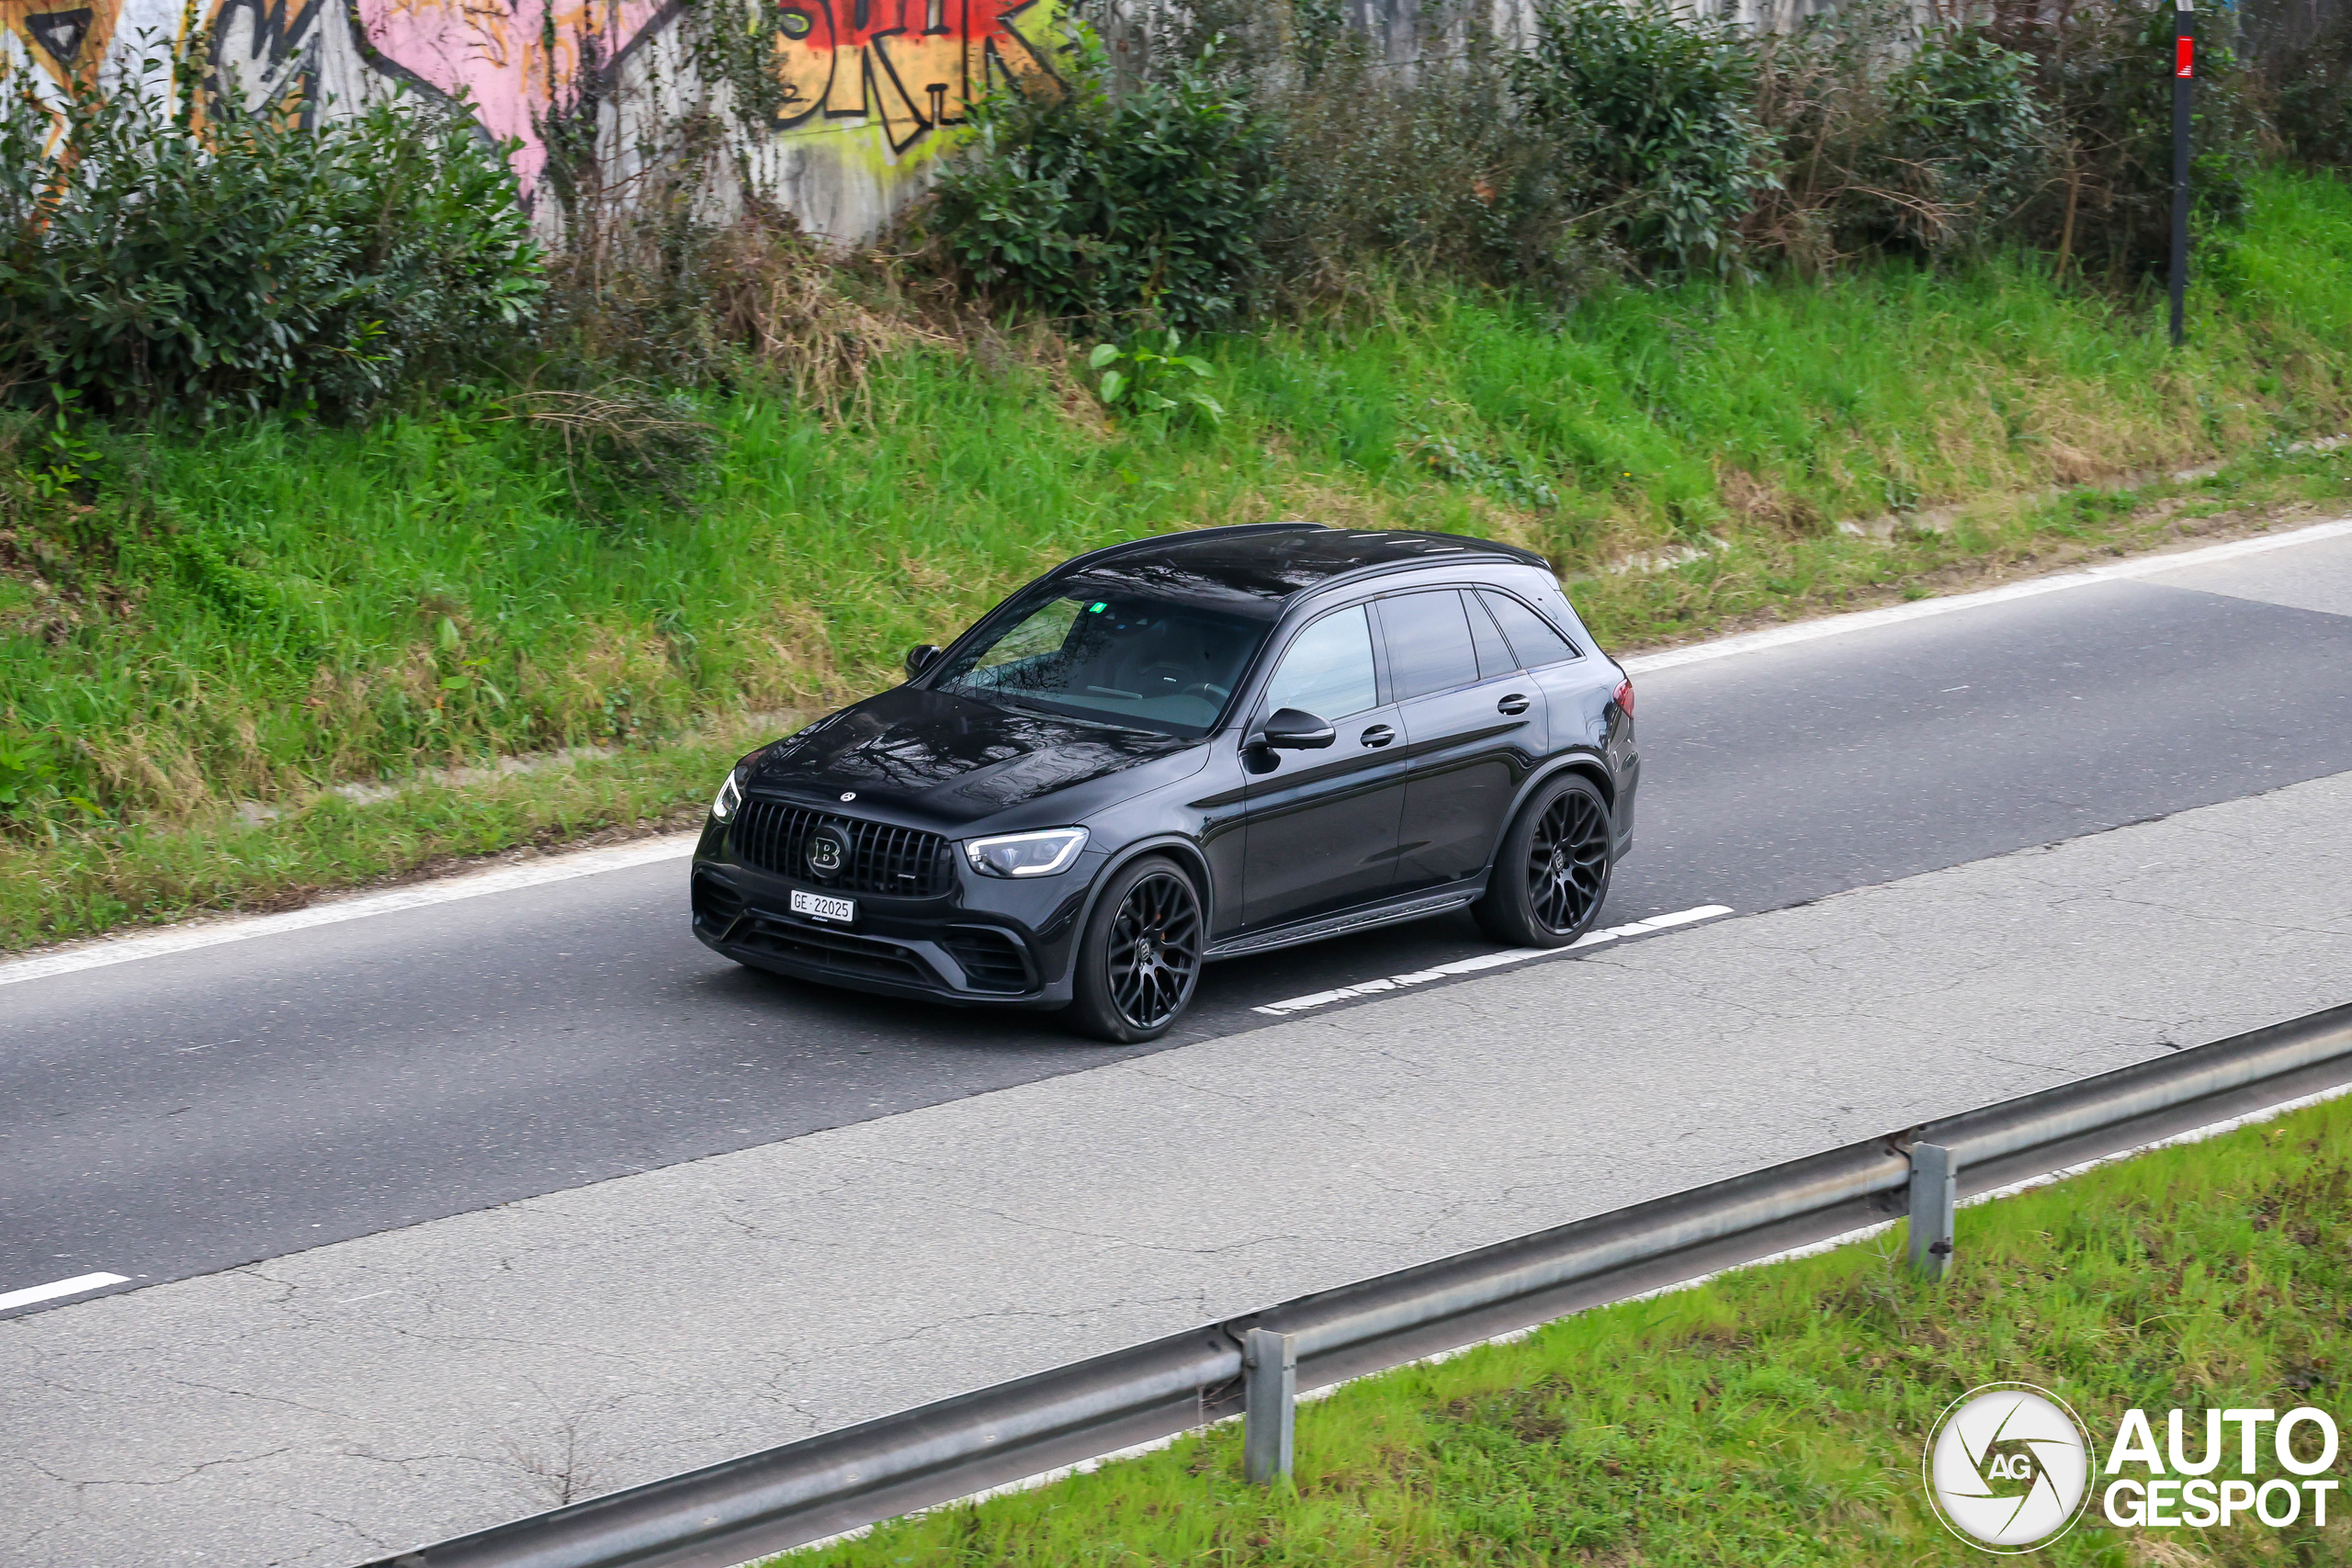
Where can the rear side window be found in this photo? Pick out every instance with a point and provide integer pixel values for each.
(1327, 671)
(1429, 643)
(1532, 636)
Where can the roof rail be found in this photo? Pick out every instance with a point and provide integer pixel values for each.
(1234, 530)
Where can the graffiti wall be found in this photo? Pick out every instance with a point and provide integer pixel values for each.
(869, 91)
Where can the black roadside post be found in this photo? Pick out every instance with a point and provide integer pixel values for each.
(2184, 81)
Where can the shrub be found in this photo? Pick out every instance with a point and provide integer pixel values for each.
(1145, 209)
(1653, 108)
(2304, 58)
(1149, 378)
(1891, 137)
(1964, 136)
(1430, 173)
(153, 259)
(2099, 72)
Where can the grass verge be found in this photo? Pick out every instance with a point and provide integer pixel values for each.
(255, 612)
(1775, 1416)
(96, 882)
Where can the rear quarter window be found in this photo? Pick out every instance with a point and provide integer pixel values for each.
(1532, 638)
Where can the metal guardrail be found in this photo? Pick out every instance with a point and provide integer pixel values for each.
(802, 1492)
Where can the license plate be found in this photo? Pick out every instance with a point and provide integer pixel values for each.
(824, 908)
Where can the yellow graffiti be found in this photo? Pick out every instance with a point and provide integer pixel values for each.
(65, 42)
(913, 65)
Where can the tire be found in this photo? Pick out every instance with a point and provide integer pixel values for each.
(1551, 876)
(1139, 957)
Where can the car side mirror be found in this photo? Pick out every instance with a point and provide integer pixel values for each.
(920, 658)
(1293, 729)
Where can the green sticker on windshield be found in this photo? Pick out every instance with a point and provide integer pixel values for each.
(1096, 608)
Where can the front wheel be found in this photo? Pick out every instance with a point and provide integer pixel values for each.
(1140, 954)
(1553, 870)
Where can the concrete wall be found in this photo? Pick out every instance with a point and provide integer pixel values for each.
(877, 87)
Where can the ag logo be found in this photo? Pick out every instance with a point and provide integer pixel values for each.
(2008, 1467)
(828, 852)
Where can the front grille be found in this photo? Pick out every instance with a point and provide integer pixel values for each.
(839, 951)
(904, 861)
(991, 958)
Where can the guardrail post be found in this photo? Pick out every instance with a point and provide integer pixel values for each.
(1934, 1183)
(1269, 1404)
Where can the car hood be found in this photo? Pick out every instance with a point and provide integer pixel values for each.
(958, 761)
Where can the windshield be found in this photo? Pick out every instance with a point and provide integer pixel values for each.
(1151, 664)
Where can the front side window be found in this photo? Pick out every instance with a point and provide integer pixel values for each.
(1326, 669)
(1154, 664)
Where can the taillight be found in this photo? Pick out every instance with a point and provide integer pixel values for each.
(1624, 698)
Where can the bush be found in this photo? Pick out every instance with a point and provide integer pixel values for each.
(1434, 172)
(2099, 72)
(2304, 57)
(1964, 136)
(1652, 109)
(1892, 139)
(154, 260)
(1146, 210)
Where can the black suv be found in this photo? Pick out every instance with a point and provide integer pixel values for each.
(1188, 747)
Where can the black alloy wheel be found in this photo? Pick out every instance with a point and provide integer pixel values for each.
(1141, 957)
(1552, 873)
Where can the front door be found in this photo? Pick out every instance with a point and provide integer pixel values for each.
(1322, 827)
(1473, 725)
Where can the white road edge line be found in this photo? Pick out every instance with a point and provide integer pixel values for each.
(1893, 614)
(73, 1287)
(421, 895)
(588, 863)
(1491, 961)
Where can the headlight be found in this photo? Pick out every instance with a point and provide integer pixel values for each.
(1027, 854)
(730, 796)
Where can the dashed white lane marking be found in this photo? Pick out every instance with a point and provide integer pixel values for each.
(448, 889)
(1868, 620)
(1493, 961)
(73, 1287)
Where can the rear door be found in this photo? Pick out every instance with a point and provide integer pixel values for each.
(1474, 726)
(1563, 677)
(1322, 825)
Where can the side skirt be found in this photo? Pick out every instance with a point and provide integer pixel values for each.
(1420, 905)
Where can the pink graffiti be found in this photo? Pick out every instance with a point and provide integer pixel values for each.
(510, 60)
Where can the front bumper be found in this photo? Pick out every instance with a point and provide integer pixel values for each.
(990, 941)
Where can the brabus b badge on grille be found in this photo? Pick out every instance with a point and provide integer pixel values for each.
(828, 852)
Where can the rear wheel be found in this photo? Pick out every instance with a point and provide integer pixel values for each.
(1140, 954)
(1553, 870)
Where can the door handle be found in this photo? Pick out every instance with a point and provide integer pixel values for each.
(1377, 736)
(1514, 704)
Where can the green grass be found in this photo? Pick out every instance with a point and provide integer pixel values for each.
(257, 611)
(93, 882)
(1774, 1416)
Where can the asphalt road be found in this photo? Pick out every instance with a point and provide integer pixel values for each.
(180, 1114)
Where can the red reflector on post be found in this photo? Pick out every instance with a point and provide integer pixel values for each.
(2188, 64)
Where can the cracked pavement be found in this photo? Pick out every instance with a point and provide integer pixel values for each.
(339, 1403)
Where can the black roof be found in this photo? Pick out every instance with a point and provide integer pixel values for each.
(1262, 565)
